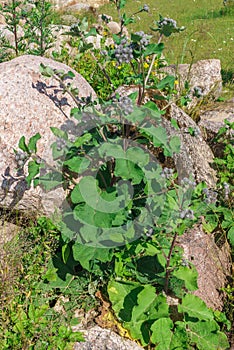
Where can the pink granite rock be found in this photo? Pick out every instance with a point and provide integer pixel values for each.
(204, 75)
(31, 103)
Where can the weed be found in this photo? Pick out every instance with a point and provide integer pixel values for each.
(25, 311)
(35, 36)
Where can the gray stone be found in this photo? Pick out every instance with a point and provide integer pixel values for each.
(2, 19)
(30, 104)
(97, 338)
(77, 7)
(212, 261)
(69, 19)
(76, 4)
(60, 39)
(204, 74)
(195, 156)
(95, 40)
(113, 27)
(212, 119)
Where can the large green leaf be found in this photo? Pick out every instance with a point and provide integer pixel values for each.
(158, 133)
(179, 341)
(89, 190)
(153, 49)
(124, 298)
(87, 215)
(195, 307)
(161, 333)
(151, 266)
(76, 195)
(172, 202)
(51, 180)
(105, 237)
(210, 223)
(127, 170)
(138, 156)
(175, 144)
(82, 140)
(118, 292)
(149, 248)
(206, 335)
(160, 138)
(77, 164)
(60, 275)
(91, 235)
(113, 150)
(188, 275)
(86, 254)
(103, 201)
(149, 306)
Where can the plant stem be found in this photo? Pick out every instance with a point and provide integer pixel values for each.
(168, 263)
(66, 89)
(15, 27)
(41, 28)
(152, 63)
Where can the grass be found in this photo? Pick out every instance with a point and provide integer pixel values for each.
(27, 317)
(209, 29)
